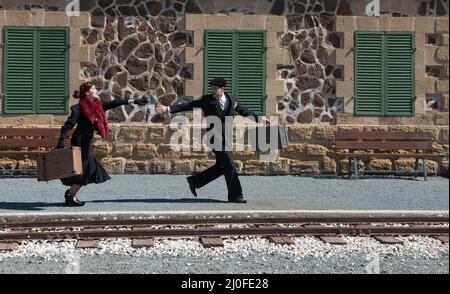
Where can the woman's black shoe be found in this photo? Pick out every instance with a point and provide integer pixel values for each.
(72, 201)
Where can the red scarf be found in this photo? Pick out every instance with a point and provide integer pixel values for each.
(94, 112)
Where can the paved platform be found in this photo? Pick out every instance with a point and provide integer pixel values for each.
(140, 193)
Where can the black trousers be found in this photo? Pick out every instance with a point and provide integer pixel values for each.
(224, 166)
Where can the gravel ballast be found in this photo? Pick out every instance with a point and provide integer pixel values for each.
(249, 255)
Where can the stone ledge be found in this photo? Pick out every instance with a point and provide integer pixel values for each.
(367, 24)
(193, 55)
(56, 19)
(425, 86)
(424, 24)
(193, 88)
(442, 24)
(275, 23)
(345, 89)
(38, 17)
(17, 18)
(82, 21)
(345, 24)
(78, 54)
(402, 24)
(216, 22)
(194, 22)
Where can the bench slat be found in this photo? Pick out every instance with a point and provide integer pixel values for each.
(379, 145)
(386, 155)
(29, 132)
(388, 136)
(32, 143)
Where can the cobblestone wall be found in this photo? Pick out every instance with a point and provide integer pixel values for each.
(275, 7)
(137, 48)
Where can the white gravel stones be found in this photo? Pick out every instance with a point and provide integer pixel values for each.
(234, 247)
(52, 251)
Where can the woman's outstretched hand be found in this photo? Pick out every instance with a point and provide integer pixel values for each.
(141, 101)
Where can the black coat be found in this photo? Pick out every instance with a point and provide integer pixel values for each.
(211, 107)
(84, 131)
(93, 172)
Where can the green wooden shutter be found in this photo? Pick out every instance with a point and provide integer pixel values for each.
(240, 58)
(251, 69)
(219, 58)
(53, 80)
(369, 77)
(400, 80)
(19, 70)
(36, 70)
(384, 73)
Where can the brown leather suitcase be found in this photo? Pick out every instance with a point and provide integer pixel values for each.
(59, 164)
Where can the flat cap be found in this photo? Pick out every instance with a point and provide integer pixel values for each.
(219, 82)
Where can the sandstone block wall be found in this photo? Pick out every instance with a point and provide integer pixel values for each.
(144, 149)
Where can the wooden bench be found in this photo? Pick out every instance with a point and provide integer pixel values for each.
(383, 145)
(27, 143)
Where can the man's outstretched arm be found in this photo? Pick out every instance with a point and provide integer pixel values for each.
(187, 106)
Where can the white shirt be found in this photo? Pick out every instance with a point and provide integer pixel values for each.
(224, 102)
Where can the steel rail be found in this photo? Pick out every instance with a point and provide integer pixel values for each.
(365, 230)
(223, 220)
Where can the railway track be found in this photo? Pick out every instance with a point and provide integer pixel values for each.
(222, 226)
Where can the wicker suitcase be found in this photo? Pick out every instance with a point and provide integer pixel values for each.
(59, 164)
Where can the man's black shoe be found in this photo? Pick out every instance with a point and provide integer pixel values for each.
(72, 201)
(237, 200)
(192, 186)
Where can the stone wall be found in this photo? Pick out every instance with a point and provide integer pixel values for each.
(273, 7)
(145, 46)
(309, 82)
(145, 149)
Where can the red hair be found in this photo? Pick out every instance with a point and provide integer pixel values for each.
(92, 109)
(84, 89)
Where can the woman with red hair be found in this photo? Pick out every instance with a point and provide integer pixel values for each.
(89, 116)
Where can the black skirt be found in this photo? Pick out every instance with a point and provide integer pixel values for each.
(93, 171)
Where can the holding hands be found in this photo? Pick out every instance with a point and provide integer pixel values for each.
(265, 121)
(161, 109)
(164, 109)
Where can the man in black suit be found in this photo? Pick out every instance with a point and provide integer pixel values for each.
(218, 104)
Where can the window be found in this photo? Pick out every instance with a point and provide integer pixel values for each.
(240, 58)
(384, 73)
(35, 70)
